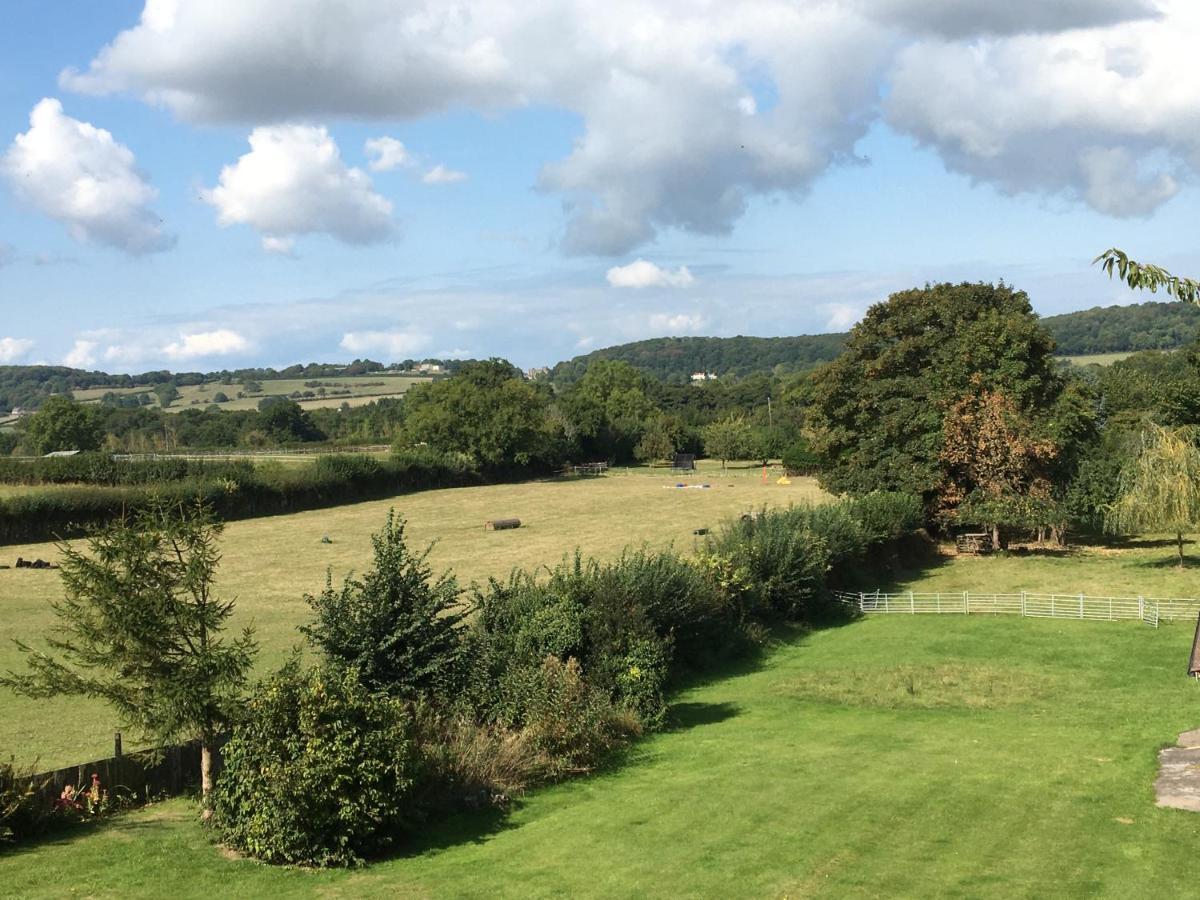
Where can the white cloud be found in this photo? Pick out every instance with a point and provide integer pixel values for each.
(680, 323)
(1101, 115)
(386, 153)
(221, 342)
(281, 246)
(641, 274)
(690, 109)
(393, 344)
(293, 182)
(842, 316)
(439, 174)
(456, 353)
(12, 349)
(81, 176)
(82, 355)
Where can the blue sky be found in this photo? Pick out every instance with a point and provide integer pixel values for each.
(775, 168)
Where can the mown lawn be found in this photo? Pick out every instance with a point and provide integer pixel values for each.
(270, 563)
(899, 756)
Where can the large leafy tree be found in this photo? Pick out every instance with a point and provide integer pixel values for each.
(397, 625)
(878, 410)
(140, 627)
(1160, 487)
(487, 410)
(609, 409)
(729, 438)
(62, 424)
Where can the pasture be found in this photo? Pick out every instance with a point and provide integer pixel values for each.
(898, 756)
(1097, 359)
(270, 563)
(357, 390)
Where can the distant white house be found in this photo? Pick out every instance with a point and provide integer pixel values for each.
(429, 368)
(704, 376)
(61, 453)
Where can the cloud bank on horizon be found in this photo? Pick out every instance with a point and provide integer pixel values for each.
(688, 109)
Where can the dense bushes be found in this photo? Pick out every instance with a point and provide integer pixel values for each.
(234, 490)
(555, 671)
(320, 772)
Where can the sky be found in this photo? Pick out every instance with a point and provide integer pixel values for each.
(208, 184)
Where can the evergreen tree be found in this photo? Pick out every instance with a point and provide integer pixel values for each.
(397, 625)
(140, 628)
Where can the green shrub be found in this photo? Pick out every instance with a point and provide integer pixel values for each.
(24, 812)
(887, 515)
(396, 626)
(321, 772)
(801, 459)
(777, 561)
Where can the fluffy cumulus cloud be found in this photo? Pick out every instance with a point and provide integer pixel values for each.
(80, 175)
(386, 153)
(201, 344)
(14, 349)
(690, 109)
(294, 182)
(642, 273)
(82, 354)
(396, 344)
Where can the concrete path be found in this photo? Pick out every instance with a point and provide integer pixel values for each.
(1178, 783)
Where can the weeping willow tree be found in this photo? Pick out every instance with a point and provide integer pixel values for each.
(1159, 488)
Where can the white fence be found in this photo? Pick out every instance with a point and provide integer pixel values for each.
(1150, 610)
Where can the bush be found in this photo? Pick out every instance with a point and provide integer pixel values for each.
(886, 516)
(774, 564)
(24, 813)
(397, 626)
(801, 459)
(320, 772)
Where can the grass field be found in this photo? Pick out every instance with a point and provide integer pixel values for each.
(362, 389)
(270, 563)
(1096, 359)
(897, 757)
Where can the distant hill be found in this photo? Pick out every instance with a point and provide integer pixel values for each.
(1125, 329)
(1110, 329)
(674, 360)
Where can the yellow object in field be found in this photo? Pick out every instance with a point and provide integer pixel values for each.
(783, 479)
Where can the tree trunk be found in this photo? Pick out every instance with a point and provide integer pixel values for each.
(1180, 539)
(996, 537)
(206, 776)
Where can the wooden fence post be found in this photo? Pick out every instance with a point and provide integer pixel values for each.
(1081, 604)
(1022, 603)
(117, 745)
(912, 606)
(966, 604)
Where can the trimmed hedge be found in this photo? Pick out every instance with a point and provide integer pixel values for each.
(234, 491)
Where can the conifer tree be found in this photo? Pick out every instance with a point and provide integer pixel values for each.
(397, 625)
(139, 628)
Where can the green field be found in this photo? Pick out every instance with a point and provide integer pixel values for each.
(362, 389)
(1096, 359)
(901, 756)
(271, 562)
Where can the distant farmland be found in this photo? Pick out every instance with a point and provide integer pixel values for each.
(356, 390)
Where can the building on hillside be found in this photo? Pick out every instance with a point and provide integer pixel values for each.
(430, 369)
(704, 376)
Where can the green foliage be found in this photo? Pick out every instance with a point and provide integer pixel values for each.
(396, 626)
(285, 422)
(608, 410)
(800, 458)
(139, 628)
(660, 441)
(1160, 487)
(886, 515)
(62, 424)
(1146, 276)
(488, 411)
(878, 409)
(319, 771)
(1163, 386)
(1122, 329)
(730, 438)
(674, 359)
(24, 812)
(167, 393)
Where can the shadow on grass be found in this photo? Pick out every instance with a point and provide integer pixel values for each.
(1170, 562)
(63, 834)
(685, 716)
(1132, 543)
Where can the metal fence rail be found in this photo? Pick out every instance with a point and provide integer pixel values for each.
(1150, 610)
